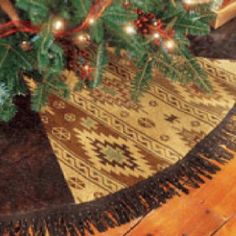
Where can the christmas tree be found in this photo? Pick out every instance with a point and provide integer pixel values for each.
(39, 39)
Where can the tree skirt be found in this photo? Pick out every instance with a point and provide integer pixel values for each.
(116, 160)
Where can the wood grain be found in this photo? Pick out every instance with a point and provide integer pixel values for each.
(207, 211)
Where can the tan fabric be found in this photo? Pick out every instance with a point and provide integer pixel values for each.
(225, 14)
(105, 142)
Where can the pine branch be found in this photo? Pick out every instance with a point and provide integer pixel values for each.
(7, 110)
(191, 24)
(196, 73)
(38, 11)
(99, 65)
(39, 97)
(81, 8)
(133, 44)
(4, 93)
(118, 15)
(168, 69)
(142, 79)
(97, 32)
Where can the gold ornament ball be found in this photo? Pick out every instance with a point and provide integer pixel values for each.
(25, 46)
(82, 40)
(58, 24)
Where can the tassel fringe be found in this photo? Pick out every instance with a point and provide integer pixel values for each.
(201, 163)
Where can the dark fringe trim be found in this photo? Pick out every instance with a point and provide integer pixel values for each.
(201, 163)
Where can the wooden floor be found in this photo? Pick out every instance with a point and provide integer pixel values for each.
(207, 211)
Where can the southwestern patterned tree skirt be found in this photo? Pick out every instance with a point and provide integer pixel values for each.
(115, 160)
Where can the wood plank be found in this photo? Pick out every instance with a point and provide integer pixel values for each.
(206, 211)
(120, 231)
(228, 229)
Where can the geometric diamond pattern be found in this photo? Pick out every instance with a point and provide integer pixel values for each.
(111, 154)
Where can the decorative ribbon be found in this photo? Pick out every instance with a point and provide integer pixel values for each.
(13, 27)
(16, 25)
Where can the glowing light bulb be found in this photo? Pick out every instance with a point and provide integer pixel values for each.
(155, 23)
(91, 21)
(87, 68)
(58, 24)
(130, 29)
(82, 38)
(169, 44)
(188, 2)
(196, 2)
(156, 36)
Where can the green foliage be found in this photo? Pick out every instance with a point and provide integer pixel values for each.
(46, 60)
(7, 111)
(143, 77)
(80, 9)
(167, 66)
(50, 64)
(4, 94)
(193, 71)
(117, 15)
(49, 54)
(99, 65)
(40, 95)
(191, 24)
(12, 63)
(147, 5)
(38, 11)
(97, 32)
(56, 85)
